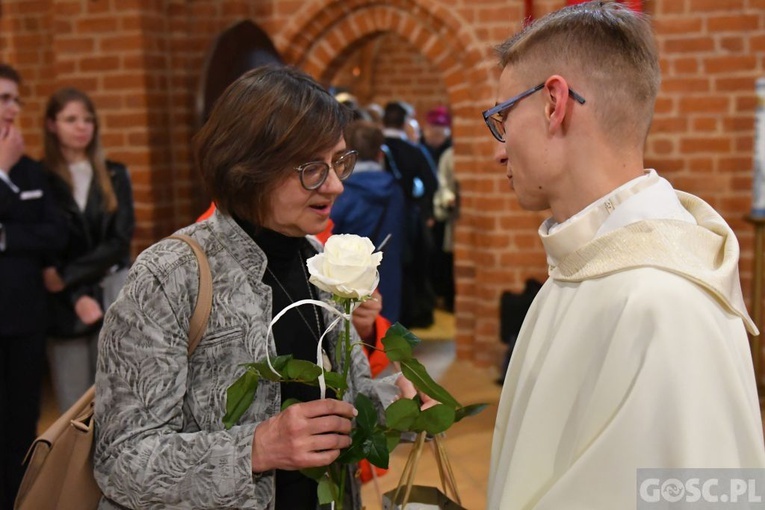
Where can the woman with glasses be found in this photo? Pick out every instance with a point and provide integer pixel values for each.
(273, 158)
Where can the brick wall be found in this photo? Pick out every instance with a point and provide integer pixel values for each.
(141, 61)
(397, 72)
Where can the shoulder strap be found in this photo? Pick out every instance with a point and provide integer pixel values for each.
(392, 166)
(198, 322)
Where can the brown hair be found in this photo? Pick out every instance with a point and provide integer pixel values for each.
(270, 120)
(9, 73)
(602, 43)
(54, 158)
(366, 137)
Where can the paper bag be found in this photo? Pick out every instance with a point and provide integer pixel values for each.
(408, 496)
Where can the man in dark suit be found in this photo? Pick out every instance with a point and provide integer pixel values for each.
(31, 229)
(415, 174)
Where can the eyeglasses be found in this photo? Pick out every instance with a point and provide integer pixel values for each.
(314, 173)
(495, 117)
(7, 99)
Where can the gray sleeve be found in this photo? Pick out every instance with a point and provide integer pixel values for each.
(143, 456)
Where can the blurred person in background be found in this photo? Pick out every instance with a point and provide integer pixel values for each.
(446, 213)
(437, 133)
(372, 206)
(31, 230)
(436, 137)
(95, 195)
(414, 173)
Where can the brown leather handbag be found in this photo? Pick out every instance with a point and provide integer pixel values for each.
(59, 474)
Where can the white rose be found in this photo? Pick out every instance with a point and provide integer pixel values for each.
(347, 268)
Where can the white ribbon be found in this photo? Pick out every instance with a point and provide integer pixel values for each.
(319, 350)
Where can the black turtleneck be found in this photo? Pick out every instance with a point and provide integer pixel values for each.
(296, 333)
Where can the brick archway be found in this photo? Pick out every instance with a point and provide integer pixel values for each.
(324, 32)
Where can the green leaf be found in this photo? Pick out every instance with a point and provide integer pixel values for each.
(335, 381)
(302, 370)
(327, 491)
(314, 473)
(239, 397)
(376, 450)
(280, 362)
(471, 410)
(265, 371)
(392, 438)
(289, 402)
(435, 420)
(367, 417)
(415, 372)
(402, 414)
(397, 348)
(398, 330)
(355, 452)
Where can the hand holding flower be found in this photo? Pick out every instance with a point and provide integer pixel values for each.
(364, 316)
(304, 435)
(409, 391)
(310, 436)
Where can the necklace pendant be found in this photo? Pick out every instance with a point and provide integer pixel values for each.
(325, 361)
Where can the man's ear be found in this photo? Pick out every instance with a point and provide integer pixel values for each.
(556, 93)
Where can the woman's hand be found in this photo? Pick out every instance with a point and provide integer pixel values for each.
(409, 391)
(365, 314)
(52, 280)
(88, 310)
(309, 434)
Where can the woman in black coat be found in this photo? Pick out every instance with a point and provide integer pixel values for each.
(95, 195)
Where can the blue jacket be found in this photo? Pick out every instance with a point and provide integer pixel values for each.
(372, 206)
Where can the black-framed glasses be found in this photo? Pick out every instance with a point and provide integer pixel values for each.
(495, 117)
(7, 99)
(314, 173)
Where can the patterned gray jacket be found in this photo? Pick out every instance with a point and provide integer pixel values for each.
(160, 440)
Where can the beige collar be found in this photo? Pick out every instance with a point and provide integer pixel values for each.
(706, 253)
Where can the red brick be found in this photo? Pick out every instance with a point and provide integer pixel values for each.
(105, 24)
(688, 45)
(686, 65)
(706, 144)
(121, 43)
(706, 104)
(730, 64)
(685, 26)
(110, 63)
(80, 45)
(715, 5)
(685, 85)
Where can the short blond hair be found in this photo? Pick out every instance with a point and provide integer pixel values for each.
(603, 43)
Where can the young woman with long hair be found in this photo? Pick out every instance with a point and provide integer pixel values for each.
(95, 195)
